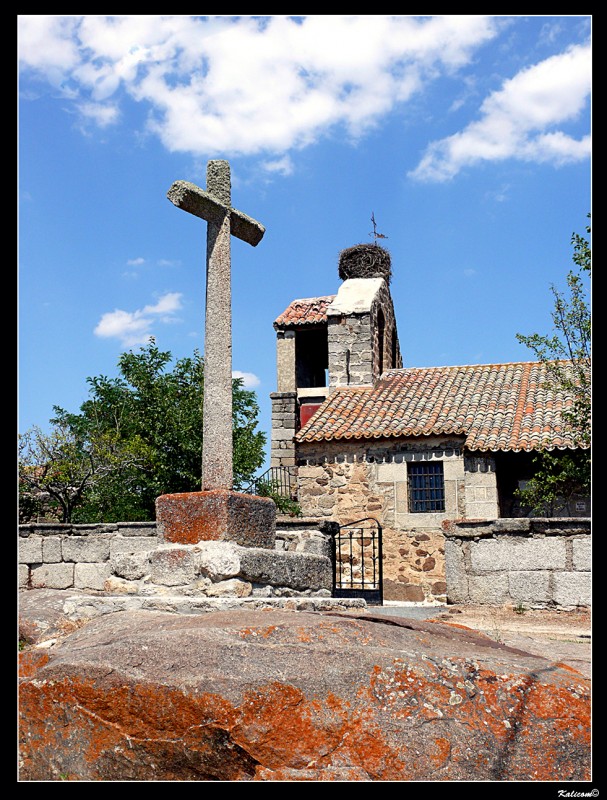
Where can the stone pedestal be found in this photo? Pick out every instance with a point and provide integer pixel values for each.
(216, 515)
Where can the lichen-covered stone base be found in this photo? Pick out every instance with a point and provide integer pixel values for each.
(216, 515)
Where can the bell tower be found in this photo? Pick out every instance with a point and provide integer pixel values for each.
(334, 341)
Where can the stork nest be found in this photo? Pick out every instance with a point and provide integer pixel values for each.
(365, 261)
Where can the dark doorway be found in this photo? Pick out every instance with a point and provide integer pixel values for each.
(311, 357)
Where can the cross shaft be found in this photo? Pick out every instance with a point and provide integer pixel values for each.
(214, 206)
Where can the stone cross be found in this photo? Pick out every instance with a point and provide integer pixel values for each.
(215, 207)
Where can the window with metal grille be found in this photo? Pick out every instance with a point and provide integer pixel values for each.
(426, 486)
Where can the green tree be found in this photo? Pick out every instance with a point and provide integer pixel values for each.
(567, 354)
(152, 414)
(58, 471)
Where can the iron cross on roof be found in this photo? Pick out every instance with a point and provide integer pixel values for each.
(215, 207)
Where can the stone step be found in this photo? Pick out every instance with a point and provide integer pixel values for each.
(78, 607)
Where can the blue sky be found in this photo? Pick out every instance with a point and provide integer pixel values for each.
(467, 137)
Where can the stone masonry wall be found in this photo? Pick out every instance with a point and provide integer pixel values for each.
(131, 559)
(413, 559)
(480, 484)
(348, 481)
(63, 556)
(391, 346)
(285, 361)
(284, 426)
(350, 350)
(353, 341)
(538, 563)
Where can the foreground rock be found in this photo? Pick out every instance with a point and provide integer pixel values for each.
(295, 696)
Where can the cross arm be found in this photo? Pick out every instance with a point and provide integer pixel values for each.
(194, 200)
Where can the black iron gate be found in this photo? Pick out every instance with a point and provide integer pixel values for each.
(357, 561)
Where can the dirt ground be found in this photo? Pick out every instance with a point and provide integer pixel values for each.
(562, 636)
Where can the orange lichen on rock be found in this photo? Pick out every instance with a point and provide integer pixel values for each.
(129, 731)
(294, 696)
(283, 727)
(265, 632)
(440, 754)
(30, 661)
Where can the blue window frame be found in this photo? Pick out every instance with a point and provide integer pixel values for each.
(426, 486)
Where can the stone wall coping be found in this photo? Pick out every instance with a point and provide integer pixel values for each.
(284, 523)
(303, 523)
(67, 528)
(527, 526)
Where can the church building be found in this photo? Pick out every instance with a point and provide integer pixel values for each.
(364, 436)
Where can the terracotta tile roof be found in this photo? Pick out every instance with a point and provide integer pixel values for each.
(309, 311)
(495, 406)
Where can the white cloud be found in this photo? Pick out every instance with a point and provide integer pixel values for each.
(519, 120)
(135, 262)
(166, 305)
(49, 43)
(274, 84)
(133, 328)
(283, 166)
(245, 84)
(101, 115)
(249, 380)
